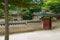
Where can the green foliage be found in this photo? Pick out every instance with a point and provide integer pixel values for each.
(12, 7)
(13, 4)
(36, 9)
(19, 3)
(23, 3)
(10, 15)
(27, 15)
(55, 8)
(2, 5)
(53, 5)
(1, 13)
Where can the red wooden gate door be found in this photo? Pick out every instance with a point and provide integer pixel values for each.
(47, 23)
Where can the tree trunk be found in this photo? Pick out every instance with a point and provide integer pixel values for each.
(6, 21)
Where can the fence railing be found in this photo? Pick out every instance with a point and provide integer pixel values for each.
(19, 23)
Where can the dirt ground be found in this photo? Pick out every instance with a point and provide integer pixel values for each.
(36, 35)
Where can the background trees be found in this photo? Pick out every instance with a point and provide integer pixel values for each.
(53, 5)
(1, 13)
(13, 5)
(32, 5)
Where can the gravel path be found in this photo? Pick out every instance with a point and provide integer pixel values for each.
(37, 35)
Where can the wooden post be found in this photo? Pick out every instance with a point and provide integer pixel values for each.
(6, 21)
